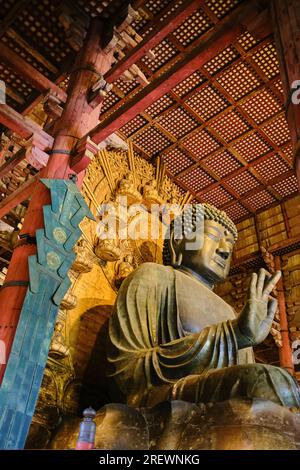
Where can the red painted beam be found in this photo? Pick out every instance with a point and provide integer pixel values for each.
(12, 162)
(162, 30)
(30, 74)
(16, 122)
(22, 126)
(21, 194)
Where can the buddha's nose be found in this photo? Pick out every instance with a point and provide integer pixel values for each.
(223, 250)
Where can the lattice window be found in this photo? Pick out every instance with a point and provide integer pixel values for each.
(236, 211)
(278, 85)
(156, 6)
(242, 183)
(151, 140)
(140, 23)
(222, 7)
(278, 130)
(176, 160)
(262, 106)
(133, 126)
(288, 152)
(272, 167)
(16, 83)
(6, 6)
(159, 17)
(164, 52)
(287, 187)
(239, 80)
(178, 122)
(109, 101)
(95, 8)
(195, 200)
(259, 200)
(201, 144)
(247, 41)
(126, 87)
(266, 59)
(196, 179)
(159, 106)
(217, 196)
(170, 10)
(222, 60)
(251, 146)
(189, 84)
(207, 102)
(25, 55)
(192, 28)
(222, 163)
(39, 25)
(230, 125)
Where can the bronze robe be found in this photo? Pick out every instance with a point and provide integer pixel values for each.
(168, 326)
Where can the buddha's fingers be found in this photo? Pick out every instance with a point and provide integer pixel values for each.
(270, 285)
(260, 283)
(272, 307)
(252, 288)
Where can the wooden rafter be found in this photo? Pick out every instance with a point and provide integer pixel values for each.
(21, 194)
(12, 162)
(31, 75)
(22, 126)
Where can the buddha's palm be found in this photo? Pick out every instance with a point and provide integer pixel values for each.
(255, 320)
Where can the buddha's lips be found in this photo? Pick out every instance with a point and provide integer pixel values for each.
(220, 261)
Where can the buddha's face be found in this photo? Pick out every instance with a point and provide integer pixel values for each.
(212, 260)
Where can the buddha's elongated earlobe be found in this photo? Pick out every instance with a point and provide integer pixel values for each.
(176, 258)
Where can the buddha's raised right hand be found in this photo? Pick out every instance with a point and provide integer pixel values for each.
(255, 320)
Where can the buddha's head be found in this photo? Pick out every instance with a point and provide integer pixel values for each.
(204, 244)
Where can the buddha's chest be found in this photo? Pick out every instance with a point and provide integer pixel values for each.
(199, 307)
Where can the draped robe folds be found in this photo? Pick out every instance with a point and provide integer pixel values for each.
(169, 335)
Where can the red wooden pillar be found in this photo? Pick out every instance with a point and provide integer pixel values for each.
(286, 23)
(78, 119)
(285, 352)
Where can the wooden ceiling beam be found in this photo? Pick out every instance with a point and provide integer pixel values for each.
(14, 36)
(22, 126)
(161, 30)
(224, 34)
(12, 162)
(29, 73)
(12, 15)
(21, 194)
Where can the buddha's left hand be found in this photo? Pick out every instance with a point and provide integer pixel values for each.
(255, 320)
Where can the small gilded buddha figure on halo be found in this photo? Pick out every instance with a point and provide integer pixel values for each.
(172, 338)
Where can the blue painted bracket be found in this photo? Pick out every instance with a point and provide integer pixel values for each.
(48, 283)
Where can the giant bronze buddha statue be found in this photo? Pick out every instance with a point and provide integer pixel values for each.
(181, 367)
(172, 338)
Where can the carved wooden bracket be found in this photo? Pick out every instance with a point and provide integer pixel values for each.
(98, 92)
(84, 153)
(52, 105)
(35, 153)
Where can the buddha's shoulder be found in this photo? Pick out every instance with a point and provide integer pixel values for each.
(153, 271)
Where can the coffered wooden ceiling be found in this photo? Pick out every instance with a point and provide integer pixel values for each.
(221, 132)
